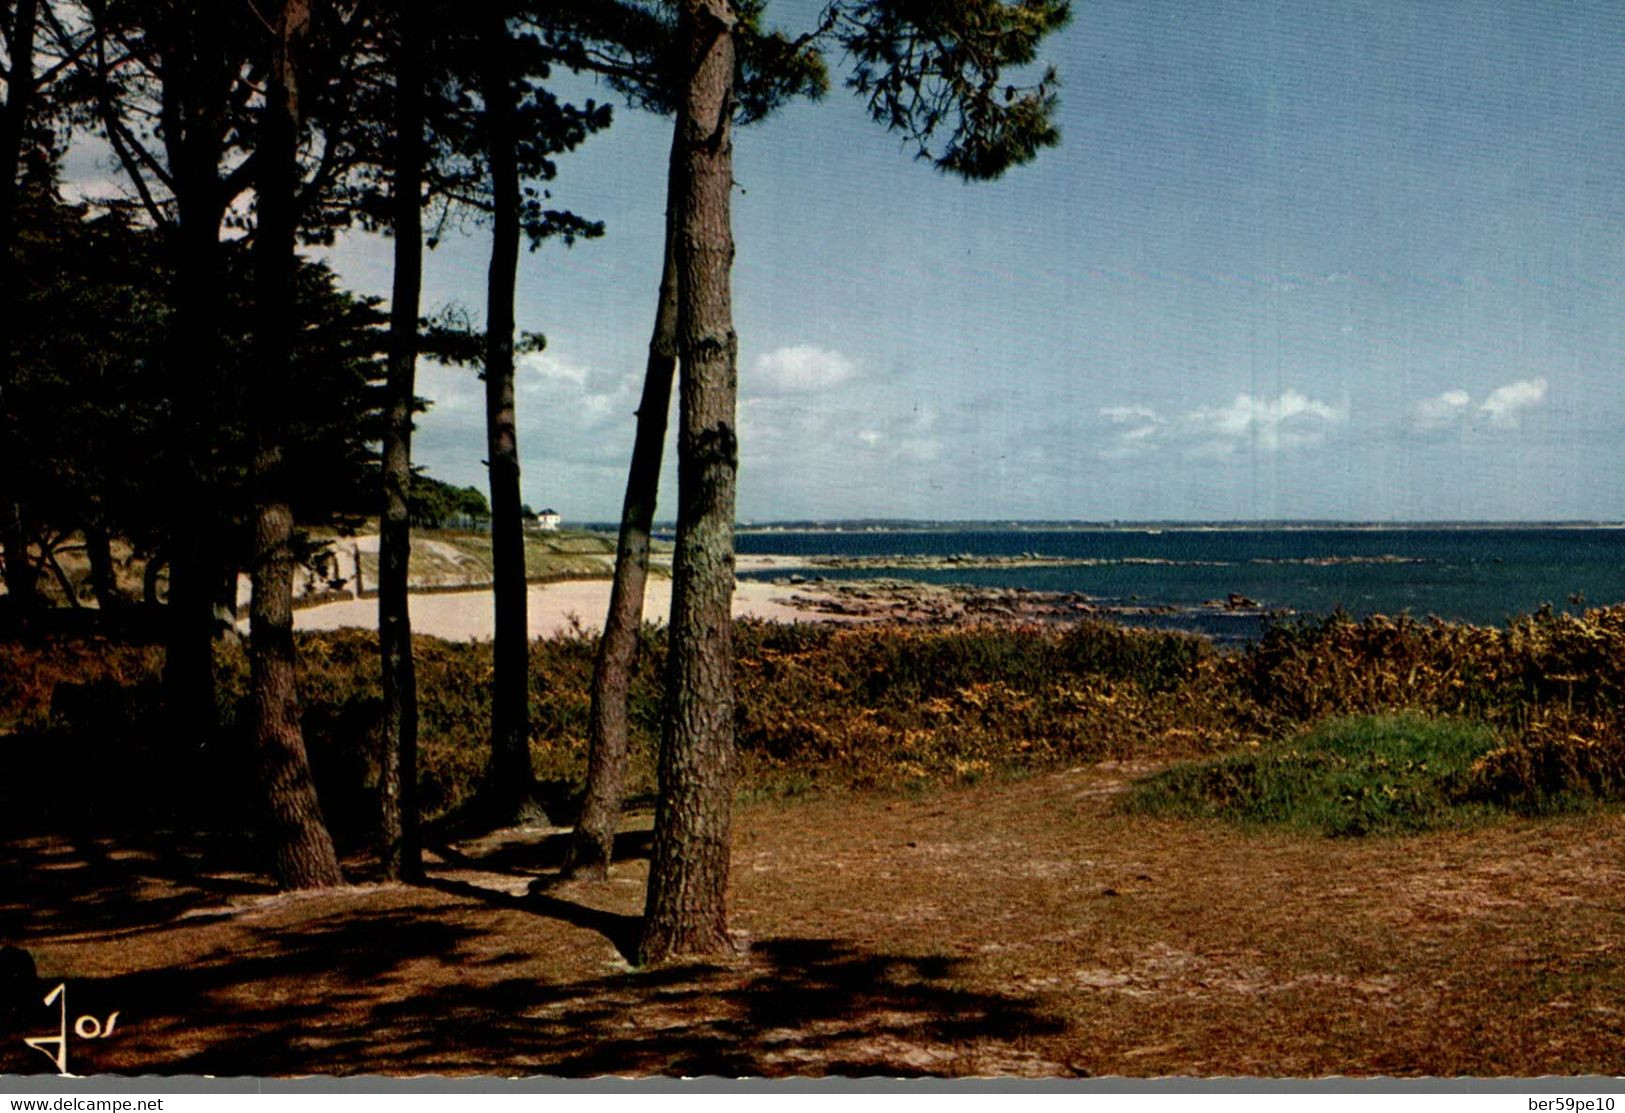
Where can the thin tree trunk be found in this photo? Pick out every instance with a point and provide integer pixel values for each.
(301, 848)
(191, 108)
(13, 127)
(510, 781)
(686, 907)
(63, 580)
(22, 578)
(20, 575)
(156, 564)
(593, 843)
(103, 577)
(189, 689)
(225, 600)
(196, 518)
(401, 853)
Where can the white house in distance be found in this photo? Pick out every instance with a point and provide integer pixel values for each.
(547, 519)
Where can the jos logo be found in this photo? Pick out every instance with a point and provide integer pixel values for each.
(85, 1027)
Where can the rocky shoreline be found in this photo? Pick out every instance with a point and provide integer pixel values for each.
(911, 603)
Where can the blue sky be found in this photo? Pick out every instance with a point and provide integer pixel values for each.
(1292, 260)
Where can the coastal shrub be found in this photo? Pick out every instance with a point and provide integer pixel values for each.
(1302, 671)
(341, 701)
(1560, 763)
(1352, 776)
(1576, 662)
(829, 706)
(879, 705)
(1156, 661)
(32, 673)
(889, 666)
(342, 698)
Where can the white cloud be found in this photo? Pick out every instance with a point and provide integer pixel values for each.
(545, 366)
(1123, 415)
(1440, 410)
(578, 402)
(451, 390)
(1137, 426)
(853, 453)
(1268, 424)
(1505, 402)
(797, 369)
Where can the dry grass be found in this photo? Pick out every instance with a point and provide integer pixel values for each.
(1024, 928)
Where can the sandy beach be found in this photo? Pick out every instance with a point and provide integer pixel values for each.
(553, 608)
(796, 593)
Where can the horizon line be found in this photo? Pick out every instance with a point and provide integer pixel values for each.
(1159, 523)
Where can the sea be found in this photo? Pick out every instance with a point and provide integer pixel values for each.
(1481, 574)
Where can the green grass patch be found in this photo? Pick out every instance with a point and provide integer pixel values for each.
(1369, 774)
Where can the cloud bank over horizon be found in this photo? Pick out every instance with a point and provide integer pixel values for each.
(820, 439)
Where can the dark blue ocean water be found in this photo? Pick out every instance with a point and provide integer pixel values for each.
(1479, 575)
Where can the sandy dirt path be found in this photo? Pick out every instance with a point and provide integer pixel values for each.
(1029, 927)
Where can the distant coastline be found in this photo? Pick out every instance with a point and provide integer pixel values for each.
(1463, 571)
(927, 525)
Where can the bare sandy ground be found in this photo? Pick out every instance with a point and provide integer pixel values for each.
(467, 615)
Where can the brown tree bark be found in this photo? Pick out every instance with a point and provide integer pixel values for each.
(103, 575)
(21, 577)
(191, 108)
(301, 849)
(686, 908)
(70, 590)
(189, 686)
(592, 846)
(14, 118)
(509, 790)
(400, 850)
(157, 565)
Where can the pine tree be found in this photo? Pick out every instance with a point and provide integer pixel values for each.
(932, 71)
(400, 850)
(635, 47)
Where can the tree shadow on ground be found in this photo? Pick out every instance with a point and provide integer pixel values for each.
(620, 930)
(791, 1006)
(542, 854)
(454, 978)
(95, 886)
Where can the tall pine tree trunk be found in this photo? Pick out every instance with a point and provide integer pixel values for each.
(20, 573)
(510, 781)
(400, 852)
(593, 844)
(195, 516)
(686, 907)
(301, 849)
(191, 135)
